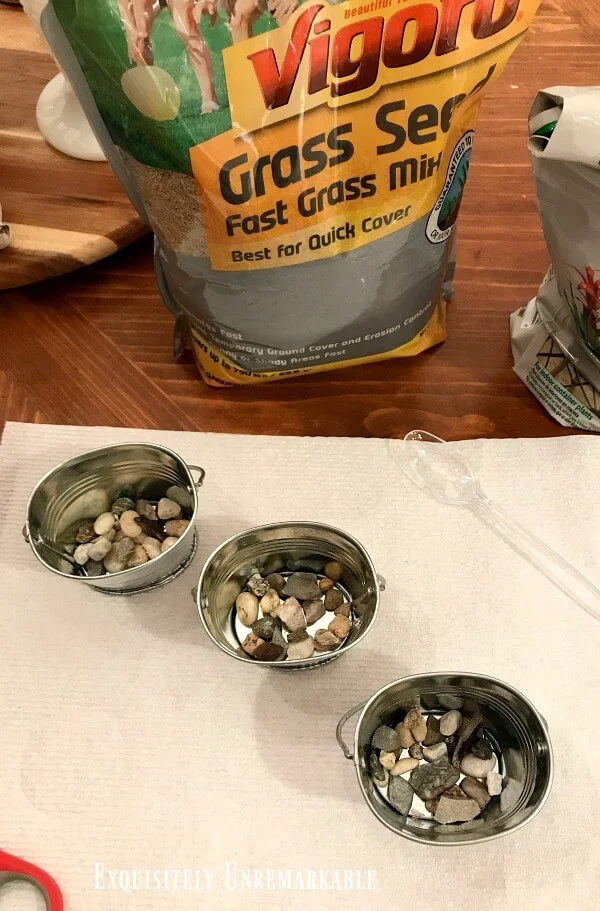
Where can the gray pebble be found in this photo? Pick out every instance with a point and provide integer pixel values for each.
(303, 586)
(181, 496)
(482, 749)
(378, 773)
(386, 738)
(400, 794)
(257, 585)
(279, 639)
(276, 582)
(122, 504)
(476, 768)
(493, 781)
(438, 751)
(265, 627)
(415, 750)
(123, 549)
(431, 780)
(94, 568)
(308, 564)
(144, 508)
(314, 610)
(297, 636)
(450, 723)
(433, 732)
(98, 549)
(82, 554)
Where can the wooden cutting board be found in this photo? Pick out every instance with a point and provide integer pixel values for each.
(63, 212)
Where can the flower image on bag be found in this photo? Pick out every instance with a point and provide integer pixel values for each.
(302, 164)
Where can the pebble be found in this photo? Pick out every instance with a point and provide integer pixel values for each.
(272, 564)
(257, 585)
(456, 806)
(168, 509)
(438, 751)
(276, 582)
(104, 523)
(434, 734)
(270, 601)
(152, 547)
(387, 760)
(360, 604)
(340, 626)
(269, 651)
(297, 636)
(415, 750)
(129, 526)
(314, 610)
(279, 639)
(94, 568)
(326, 641)
(111, 535)
(334, 570)
(325, 585)
(85, 533)
(246, 606)
(493, 781)
(265, 627)
(138, 557)
(98, 549)
(416, 724)
(432, 805)
(404, 765)
(308, 564)
(168, 542)
(476, 791)
(82, 554)
(406, 738)
(121, 505)
(251, 643)
(450, 723)
(400, 795)
(343, 610)
(333, 599)
(431, 780)
(291, 613)
(450, 702)
(378, 773)
(476, 768)
(386, 738)
(176, 527)
(181, 496)
(303, 649)
(303, 586)
(150, 527)
(113, 561)
(482, 749)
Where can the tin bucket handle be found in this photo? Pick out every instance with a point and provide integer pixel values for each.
(340, 726)
(199, 481)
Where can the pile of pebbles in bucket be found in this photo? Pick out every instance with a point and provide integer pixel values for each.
(132, 533)
(436, 767)
(292, 613)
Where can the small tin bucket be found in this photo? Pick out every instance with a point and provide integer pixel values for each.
(267, 548)
(517, 731)
(86, 486)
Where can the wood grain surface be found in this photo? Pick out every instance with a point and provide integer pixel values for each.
(63, 212)
(94, 347)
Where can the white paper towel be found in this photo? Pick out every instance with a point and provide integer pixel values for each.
(130, 741)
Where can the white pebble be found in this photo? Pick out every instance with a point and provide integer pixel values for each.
(475, 767)
(111, 535)
(494, 783)
(303, 649)
(113, 561)
(152, 547)
(450, 723)
(138, 557)
(168, 542)
(129, 526)
(168, 509)
(246, 605)
(432, 754)
(404, 765)
(98, 549)
(176, 527)
(387, 760)
(104, 523)
(270, 602)
(82, 554)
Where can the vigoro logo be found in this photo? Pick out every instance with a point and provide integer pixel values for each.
(350, 60)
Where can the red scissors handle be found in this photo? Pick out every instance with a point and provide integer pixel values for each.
(12, 868)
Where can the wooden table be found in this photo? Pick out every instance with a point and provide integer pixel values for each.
(94, 347)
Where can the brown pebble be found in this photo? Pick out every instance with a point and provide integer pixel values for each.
(406, 738)
(251, 643)
(415, 750)
(416, 724)
(276, 582)
(325, 640)
(343, 610)
(334, 570)
(340, 626)
(138, 557)
(268, 651)
(176, 527)
(325, 585)
(476, 791)
(313, 610)
(85, 533)
(333, 599)
(432, 805)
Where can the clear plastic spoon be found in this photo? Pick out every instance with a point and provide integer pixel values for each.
(445, 475)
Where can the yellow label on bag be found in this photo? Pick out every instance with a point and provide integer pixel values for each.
(350, 122)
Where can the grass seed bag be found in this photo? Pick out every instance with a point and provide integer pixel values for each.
(302, 164)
